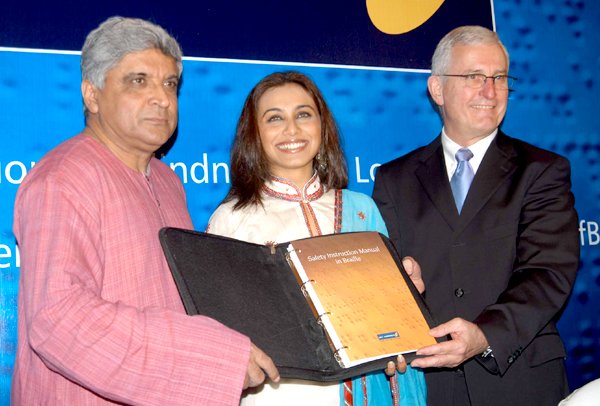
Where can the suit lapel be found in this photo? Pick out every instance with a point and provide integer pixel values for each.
(498, 163)
(433, 177)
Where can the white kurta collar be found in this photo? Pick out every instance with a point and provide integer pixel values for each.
(286, 190)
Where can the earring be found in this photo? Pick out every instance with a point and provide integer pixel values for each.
(321, 161)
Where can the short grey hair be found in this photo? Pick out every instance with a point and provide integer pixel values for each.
(465, 35)
(117, 37)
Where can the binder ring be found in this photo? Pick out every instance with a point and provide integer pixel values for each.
(337, 356)
(303, 288)
(320, 321)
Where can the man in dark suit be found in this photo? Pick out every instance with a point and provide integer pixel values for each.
(499, 267)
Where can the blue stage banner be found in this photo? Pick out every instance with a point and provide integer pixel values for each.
(373, 77)
(376, 33)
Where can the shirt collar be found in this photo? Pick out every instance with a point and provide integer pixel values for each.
(478, 149)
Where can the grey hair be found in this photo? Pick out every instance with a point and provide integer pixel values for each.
(116, 37)
(465, 35)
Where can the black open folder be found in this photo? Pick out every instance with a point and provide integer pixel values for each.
(252, 289)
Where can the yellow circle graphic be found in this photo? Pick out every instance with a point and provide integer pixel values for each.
(400, 16)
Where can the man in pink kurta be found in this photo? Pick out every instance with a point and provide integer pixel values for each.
(100, 318)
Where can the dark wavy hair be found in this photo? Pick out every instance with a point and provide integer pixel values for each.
(249, 163)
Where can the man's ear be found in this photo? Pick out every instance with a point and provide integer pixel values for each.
(90, 96)
(434, 85)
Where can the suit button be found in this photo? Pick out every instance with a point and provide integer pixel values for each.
(510, 359)
(459, 292)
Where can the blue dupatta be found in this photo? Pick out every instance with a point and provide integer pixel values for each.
(359, 213)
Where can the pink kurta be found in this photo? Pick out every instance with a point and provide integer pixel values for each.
(100, 318)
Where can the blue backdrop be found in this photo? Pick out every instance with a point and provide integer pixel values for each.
(375, 84)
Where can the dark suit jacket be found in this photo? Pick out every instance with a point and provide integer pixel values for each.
(507, 263)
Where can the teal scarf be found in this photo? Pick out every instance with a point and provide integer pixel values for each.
(359, 213)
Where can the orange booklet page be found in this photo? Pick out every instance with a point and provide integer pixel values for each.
(360, 296)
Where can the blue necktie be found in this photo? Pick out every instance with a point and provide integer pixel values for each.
(462, 178)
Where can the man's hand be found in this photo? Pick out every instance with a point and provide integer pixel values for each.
(259, 364)
(467, 341)
(399, 365)
(413, 269)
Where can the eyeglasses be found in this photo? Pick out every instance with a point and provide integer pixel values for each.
(477, 80)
